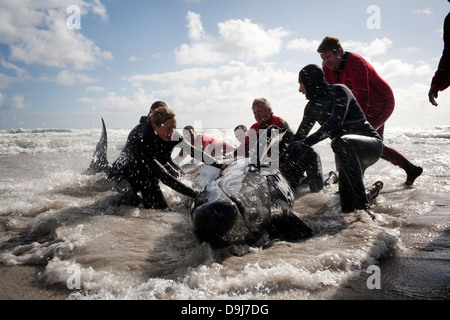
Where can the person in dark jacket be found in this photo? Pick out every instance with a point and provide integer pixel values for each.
(136, 133)
(372, 92)
(149, 157)
(355, 142)
(441, 79)
(119, 168)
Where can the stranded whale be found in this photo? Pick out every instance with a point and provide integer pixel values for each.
(243, 203)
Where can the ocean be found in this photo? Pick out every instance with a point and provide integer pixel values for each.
(61, 238)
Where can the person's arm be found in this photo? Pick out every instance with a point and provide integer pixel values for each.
(441, 78)
(198, 154)
(173, 168)
(340, 104)
(248, 144)
(173, 182)
(305, 126)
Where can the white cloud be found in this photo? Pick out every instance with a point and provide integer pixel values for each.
(94, 89)
(238, 39)
(224, 94)
(36, 33)
(414, 109)
(376, 47)
(394, 68)
(70, 78)
(19, 102)
(140, 102)
(303, 44)
(195, 27)
(97, 8)
(19, 74)
(133, 58)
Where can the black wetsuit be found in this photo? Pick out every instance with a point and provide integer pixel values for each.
(147, 165)
(122, 162)
(355, 142)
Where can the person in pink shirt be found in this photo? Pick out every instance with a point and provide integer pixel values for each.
(372, 92)
(213, 147)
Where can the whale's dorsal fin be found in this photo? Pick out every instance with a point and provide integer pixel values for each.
(99, 161)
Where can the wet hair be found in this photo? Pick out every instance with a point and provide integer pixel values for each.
(313, 79)
(190, 130)
(244, 128)
(262, 102)
(311, 73)
(330, 44)
(161, 115)
(156, 105)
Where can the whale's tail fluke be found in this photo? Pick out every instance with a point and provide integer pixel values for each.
(99, 161)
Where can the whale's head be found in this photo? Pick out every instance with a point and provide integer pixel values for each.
(212, 220)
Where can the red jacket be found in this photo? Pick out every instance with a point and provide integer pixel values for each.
(252, 133)
(442, 76)
(374, 95)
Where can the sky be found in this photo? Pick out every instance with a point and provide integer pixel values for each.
(66, 64)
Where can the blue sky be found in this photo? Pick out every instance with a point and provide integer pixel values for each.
(207, 59)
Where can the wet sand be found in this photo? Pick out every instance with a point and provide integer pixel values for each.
(419, 274)
(22, 283)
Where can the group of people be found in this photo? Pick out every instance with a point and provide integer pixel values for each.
(346, 97)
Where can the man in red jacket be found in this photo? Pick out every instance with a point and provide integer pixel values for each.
(373, 94)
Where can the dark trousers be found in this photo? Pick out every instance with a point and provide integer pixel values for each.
(354, 154)
(299, 159)
(152, 196)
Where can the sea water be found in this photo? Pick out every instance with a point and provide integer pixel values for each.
(54, 216)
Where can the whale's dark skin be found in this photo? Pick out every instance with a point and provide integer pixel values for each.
(99, 161)
(242, 204)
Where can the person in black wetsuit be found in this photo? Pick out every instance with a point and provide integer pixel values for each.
(122, 160)
(149, 157)
(121, 166)
(355, 142)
